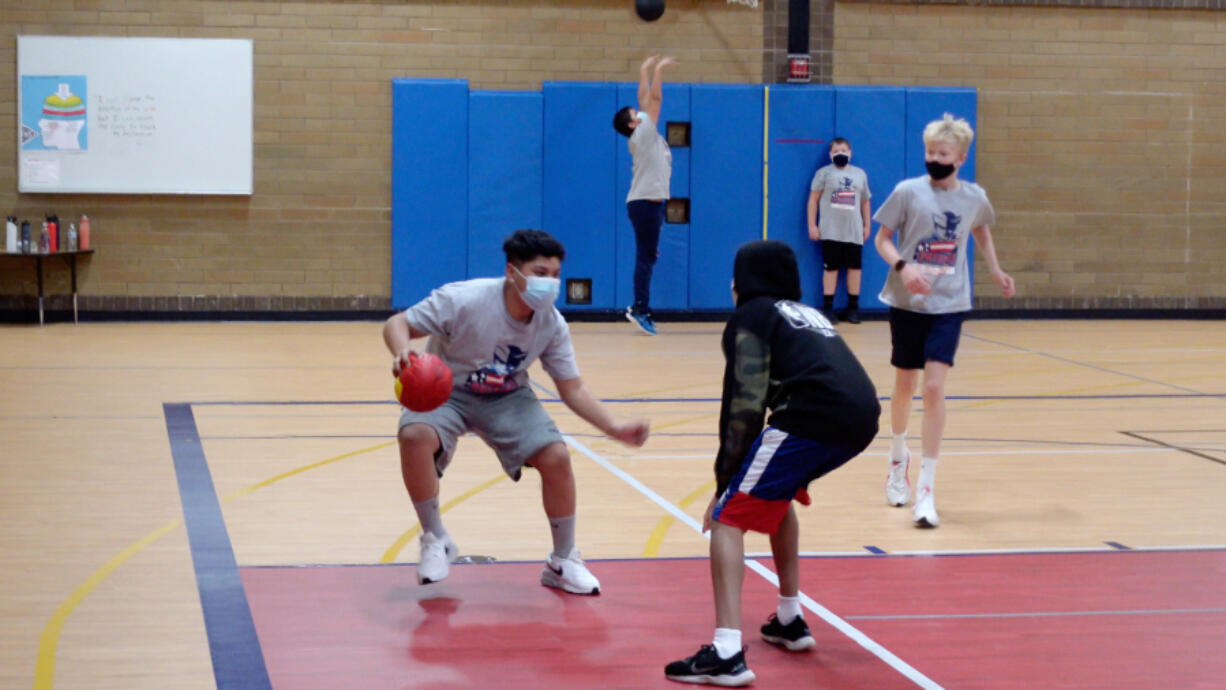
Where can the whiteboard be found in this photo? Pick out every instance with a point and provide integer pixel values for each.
(134, 115)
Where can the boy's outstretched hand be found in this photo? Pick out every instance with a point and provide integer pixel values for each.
(631, 433)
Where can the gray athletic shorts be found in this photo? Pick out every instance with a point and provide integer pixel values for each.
(514, 424)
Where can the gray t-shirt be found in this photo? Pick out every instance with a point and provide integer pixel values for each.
(488, 351)
(931, 227)
(842, 190)
(653, 161)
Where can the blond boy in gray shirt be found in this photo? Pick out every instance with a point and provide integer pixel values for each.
(925, 225)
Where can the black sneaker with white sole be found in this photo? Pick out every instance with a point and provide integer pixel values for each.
(795, 636)
(706, 667)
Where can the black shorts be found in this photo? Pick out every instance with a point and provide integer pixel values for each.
(836, 255)
(918, 338)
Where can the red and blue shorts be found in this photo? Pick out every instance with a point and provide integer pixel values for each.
(778, 466)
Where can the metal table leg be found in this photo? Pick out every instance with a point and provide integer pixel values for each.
(72, 261)
(39, 260)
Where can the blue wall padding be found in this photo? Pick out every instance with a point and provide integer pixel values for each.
(477, 165)
(580, 160)
(726, 186)
(873, 119)
(670, 282)
(429, 186)
(925, 104)
(801, 126)
(505, 173)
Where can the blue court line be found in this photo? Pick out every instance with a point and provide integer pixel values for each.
(552, 398)
(874, 550)
(285, 437)
(1035, 614)
(238, 661)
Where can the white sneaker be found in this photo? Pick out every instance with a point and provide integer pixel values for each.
(437, 553)
(569, 574)
(925, 508)
(897, 487)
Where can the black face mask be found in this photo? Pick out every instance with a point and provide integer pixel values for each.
(840, 159)
(939, 171)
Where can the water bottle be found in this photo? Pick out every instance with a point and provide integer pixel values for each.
(44, 241)
(53, 233)
(83, 239)
(25, 237)
(72, 237)
(10, 235)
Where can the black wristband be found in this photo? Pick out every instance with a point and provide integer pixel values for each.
(899, 264)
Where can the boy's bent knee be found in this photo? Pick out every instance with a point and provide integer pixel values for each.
(418, 435)
(552, 458)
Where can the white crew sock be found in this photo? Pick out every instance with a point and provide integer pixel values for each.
(898, 447)
(928, 473)
(789, 609)
(429, 516)
(727, 642)
(563, 531)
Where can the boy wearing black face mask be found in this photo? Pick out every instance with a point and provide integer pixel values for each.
(489, 331)
(840, 193)
(929, 293)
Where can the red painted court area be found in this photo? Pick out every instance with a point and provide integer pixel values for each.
(1112, 619)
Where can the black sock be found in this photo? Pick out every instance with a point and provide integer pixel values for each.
(827, 302)
(853, 302)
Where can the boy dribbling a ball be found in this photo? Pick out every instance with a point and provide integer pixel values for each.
(489, 331)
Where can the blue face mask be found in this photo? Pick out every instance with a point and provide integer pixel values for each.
(540, 292)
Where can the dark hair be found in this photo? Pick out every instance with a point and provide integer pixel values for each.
(838, 140)
(525, 245)
(621, 121)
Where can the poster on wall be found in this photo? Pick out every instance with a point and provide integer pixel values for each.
(53, 113)
(134, 115)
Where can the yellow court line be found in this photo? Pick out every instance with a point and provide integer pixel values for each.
(304, 468)
(44, 669)
(48, 642)
(657, 535)
(397, 546)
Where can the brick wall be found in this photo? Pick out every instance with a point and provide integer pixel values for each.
(1102, 139)
(315, 234)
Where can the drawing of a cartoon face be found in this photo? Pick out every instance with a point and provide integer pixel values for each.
(61, 134)
(63, 119)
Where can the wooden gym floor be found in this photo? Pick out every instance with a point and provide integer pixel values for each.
(166, 485)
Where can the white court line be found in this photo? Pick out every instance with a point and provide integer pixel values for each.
(1036, 550)
(1036, 614)
(1006, 451)
(822, 612)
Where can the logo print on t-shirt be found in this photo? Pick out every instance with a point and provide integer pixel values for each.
(496, 377)
(845, 196)
(938, 255)
(802, 316)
